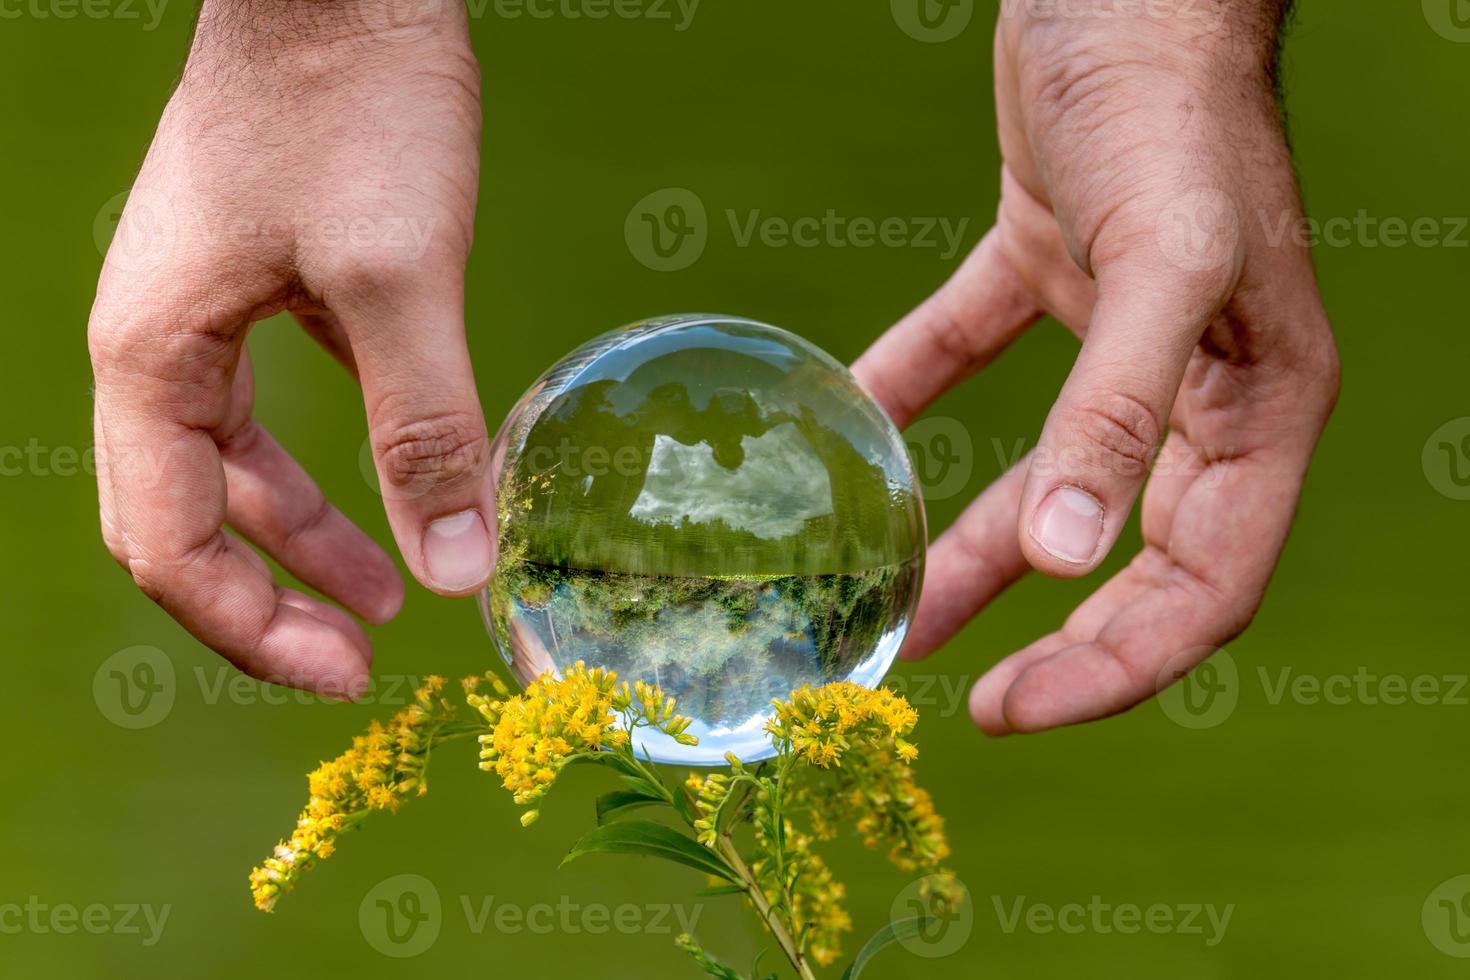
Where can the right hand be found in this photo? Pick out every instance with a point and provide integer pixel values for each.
(1144, 166)
(320, 159)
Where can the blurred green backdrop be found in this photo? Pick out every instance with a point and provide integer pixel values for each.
(1325, 826)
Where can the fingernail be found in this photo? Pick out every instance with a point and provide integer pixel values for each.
(1069, 525)
(349, 690)
(458, 552)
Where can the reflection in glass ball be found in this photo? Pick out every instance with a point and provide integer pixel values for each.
(712, 505)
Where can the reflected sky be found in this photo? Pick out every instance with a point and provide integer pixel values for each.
(739, 449)
(779, 486)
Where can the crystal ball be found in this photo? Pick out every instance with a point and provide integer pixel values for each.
(708, 504)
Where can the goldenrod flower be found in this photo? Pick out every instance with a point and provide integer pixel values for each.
(535, 735)
(858, 735)
(881, 797)
(892, 809)
(853, 741)
(711, 792)
(817, 912)
(381, 769)
(819, 725)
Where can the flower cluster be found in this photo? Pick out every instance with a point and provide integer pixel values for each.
(711, 792)
(381, 769)
(820, 725)
(534, 735)
(841, 761)
(814, 895)
(891, 808)
(645, 704)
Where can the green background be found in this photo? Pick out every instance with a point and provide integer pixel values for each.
(1326, 826)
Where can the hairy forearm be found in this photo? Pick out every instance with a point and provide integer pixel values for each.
(322, 36)
(1223, 51)
(288, 21)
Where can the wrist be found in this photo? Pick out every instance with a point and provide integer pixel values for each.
(1259, 20)
(1207, 40)
(286, 33)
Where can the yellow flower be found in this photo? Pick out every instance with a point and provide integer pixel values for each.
(711, 792)
(820, 725)
(380, 769)
(817, 911)
(857, 735)
(534, 735)
(890, 809)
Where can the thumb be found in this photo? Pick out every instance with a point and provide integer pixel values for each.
(1101, 436)
(428, 435)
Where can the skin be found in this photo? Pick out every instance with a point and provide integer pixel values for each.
(1139, 149)
(292, 124)
(1144, 163)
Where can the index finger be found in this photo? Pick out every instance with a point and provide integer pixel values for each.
(954, 333)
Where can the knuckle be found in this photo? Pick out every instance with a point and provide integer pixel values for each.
(443, 451)
(950, 334)
(1135, 677)
(312, 515)
(1120, 433)
(1077, 79)
(168, 572)
(151, 342)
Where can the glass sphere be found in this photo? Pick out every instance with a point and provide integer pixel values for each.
(712, 505)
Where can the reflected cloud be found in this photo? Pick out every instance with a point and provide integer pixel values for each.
(779, 485)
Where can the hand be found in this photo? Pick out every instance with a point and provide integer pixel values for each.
(319, 158)
(1145, 169)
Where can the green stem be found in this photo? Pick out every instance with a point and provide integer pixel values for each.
(778, 820)
(649, 772)
(453, 733)
(765, 910)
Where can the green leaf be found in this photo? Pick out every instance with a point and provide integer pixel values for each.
(894, 932)
(619, 801)
(607, 757)
(647, 837)
(683, 805)
(640, 785)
